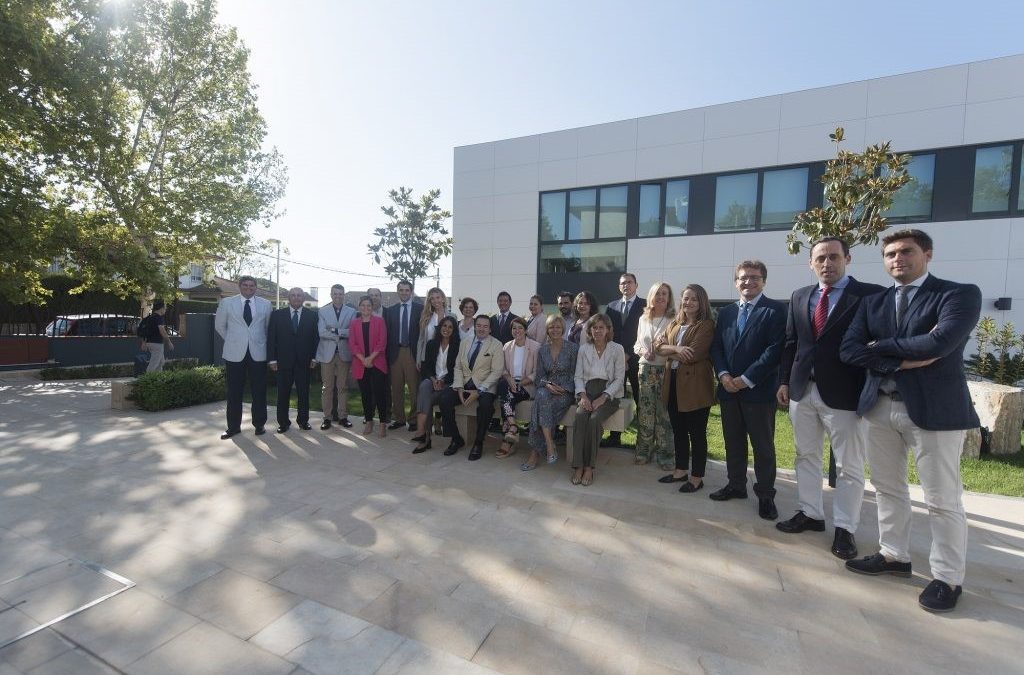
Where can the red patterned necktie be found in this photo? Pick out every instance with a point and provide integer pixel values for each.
(821, 312)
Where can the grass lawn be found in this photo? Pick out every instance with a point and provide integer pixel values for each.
(993, 474)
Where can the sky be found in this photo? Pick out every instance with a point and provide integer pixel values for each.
(364, 97)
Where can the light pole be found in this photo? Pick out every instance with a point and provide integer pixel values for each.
(277, 281)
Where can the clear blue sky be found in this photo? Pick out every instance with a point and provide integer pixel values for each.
(361, 97)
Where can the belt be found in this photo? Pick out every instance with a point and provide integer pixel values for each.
(894, 394)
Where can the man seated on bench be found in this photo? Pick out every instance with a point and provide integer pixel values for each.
(479, 366)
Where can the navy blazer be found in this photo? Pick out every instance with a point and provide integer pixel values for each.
(755, 353)
(940, 319)
(504, 335)
(428, 368)
(625, 328)
(393, 319)
(839, 384)
(288, 348)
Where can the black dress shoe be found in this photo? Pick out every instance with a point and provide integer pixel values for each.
(454, 446)
(875, 565)
(476, 452)
(422, 447)
(672, 479)
(766, 508)
(229, 433)
(938, 596)
(395, 425)
(801, 523)
(281, 429)
(304, 426)
(325, 425)
(728, 493)
(844, 546)
(690, 487)
(345, 423)
(260, 431)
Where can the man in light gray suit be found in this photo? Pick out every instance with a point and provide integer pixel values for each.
(242, 322)
(334, 355)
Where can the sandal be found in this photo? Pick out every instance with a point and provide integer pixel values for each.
(504, 451)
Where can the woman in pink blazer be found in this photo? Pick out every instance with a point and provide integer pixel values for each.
(368, 341)
(516, 384)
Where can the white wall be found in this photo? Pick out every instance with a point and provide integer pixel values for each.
(496, 185)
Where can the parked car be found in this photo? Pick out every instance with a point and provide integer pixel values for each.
(92, 325)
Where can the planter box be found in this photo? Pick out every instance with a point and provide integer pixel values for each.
(120, 390)
(1001, 410)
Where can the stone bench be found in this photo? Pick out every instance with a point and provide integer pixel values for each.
(465, 418)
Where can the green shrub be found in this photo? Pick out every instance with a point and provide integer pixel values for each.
(108, 370)
(180, 388)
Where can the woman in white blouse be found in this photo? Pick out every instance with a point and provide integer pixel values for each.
(653, 427)
(516, 384)
(434, 309)
(600, 374)
(467, 326)
(437, 371)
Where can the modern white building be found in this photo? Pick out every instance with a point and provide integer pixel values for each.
(683, 196)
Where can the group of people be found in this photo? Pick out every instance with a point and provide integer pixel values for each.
(879, 370)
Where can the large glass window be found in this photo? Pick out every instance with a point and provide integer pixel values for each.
(582, 214)
(650, 210)
(597, 257)
(735, 202)
(612, 220)
(552, 216)
(784, 196)
(992, 167)
(677, 206)
(914, 199)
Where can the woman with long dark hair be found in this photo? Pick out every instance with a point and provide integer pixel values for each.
(437, 371)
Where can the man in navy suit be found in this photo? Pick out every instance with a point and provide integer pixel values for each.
(501, 322)
(745, 352)
(821, 393)
(624, 313)
(403, 324)
(911, 340)
(292, 338)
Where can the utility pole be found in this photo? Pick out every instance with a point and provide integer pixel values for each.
(277, 281)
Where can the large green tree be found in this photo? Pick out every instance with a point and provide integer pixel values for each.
(414, 238)
(131, 143)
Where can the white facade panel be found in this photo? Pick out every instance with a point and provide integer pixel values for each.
(474, 157)
(1015, 250)
(558, 174)
(469, 285)
(477, 262)
(742, 117)
(518, 206)
(690, 251)
(507, 260)
(602, 139)
(516, 151)
(936, 88)
(468, 212)
(472, 184)
(812, 144)
(474, 238)
(825, 105)
(686, 126)
(610, 168)
(521, 178)
(559, 145)
(741, 152)
(994, 120)
(922, 129)
(649, 250)
(663, 161)
(996, 79)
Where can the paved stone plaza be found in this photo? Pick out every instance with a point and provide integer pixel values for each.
(333, 553)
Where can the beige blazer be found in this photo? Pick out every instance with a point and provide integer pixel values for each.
(489, 365)
(529, 364)
(537, 329)
(695, 378)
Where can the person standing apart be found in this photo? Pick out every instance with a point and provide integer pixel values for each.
(368, 341)
(689, 388)
(292, 340)
(821, 393)
(156, 337)
(334, 355)
(241, 321)
(625, 312)
(911, 339)
(403, 332)
(600, 375)
(653, 428)
(746, 351)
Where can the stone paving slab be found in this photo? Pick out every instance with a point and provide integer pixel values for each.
(319, 552)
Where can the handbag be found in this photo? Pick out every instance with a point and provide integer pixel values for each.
(595, 387)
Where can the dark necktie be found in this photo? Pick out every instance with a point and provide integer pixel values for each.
(741, 321)
(821, 312)
(403, 330)
(247, 313)
(474, 353)
(501, 324)
(626, 304)
(902, 301)
(295, 321)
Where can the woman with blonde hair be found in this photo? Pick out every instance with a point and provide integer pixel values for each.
(653, 427)
(556, 370)
(434, 309)
(599, 380)
(689, 387)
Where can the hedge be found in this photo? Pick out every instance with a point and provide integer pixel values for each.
(181, 388)
(108, 370)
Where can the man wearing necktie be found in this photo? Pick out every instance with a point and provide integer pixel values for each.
(403, 324)
(746, 351)
(501, 323)
(624, 313)
(911, 340)
(292, 339)
(334, 355)
(480, 365)
(821, 393)
(241, 321)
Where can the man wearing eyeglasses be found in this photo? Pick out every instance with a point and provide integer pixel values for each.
(625, 313)
(746, 352)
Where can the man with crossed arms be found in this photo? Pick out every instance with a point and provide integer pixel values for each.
(821, 393)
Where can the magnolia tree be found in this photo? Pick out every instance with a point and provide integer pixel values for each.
(859, 188)
(414, 238)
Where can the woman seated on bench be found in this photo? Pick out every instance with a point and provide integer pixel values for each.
(556, 367)
(600, 374)
(516, 383)
(437, 371)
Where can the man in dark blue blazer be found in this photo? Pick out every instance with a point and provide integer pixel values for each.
(821, 393)
(624, 313)
(911, 340)
(292, 339)
(403, 324)
(745, 352)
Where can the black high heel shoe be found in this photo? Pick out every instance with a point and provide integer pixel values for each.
(418, 439)
(422, 447)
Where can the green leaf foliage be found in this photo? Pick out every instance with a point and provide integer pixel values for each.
(130, 143)
(859, 188)
(1004, 365)
(414, 238)
(178, 389)
(106, 370)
